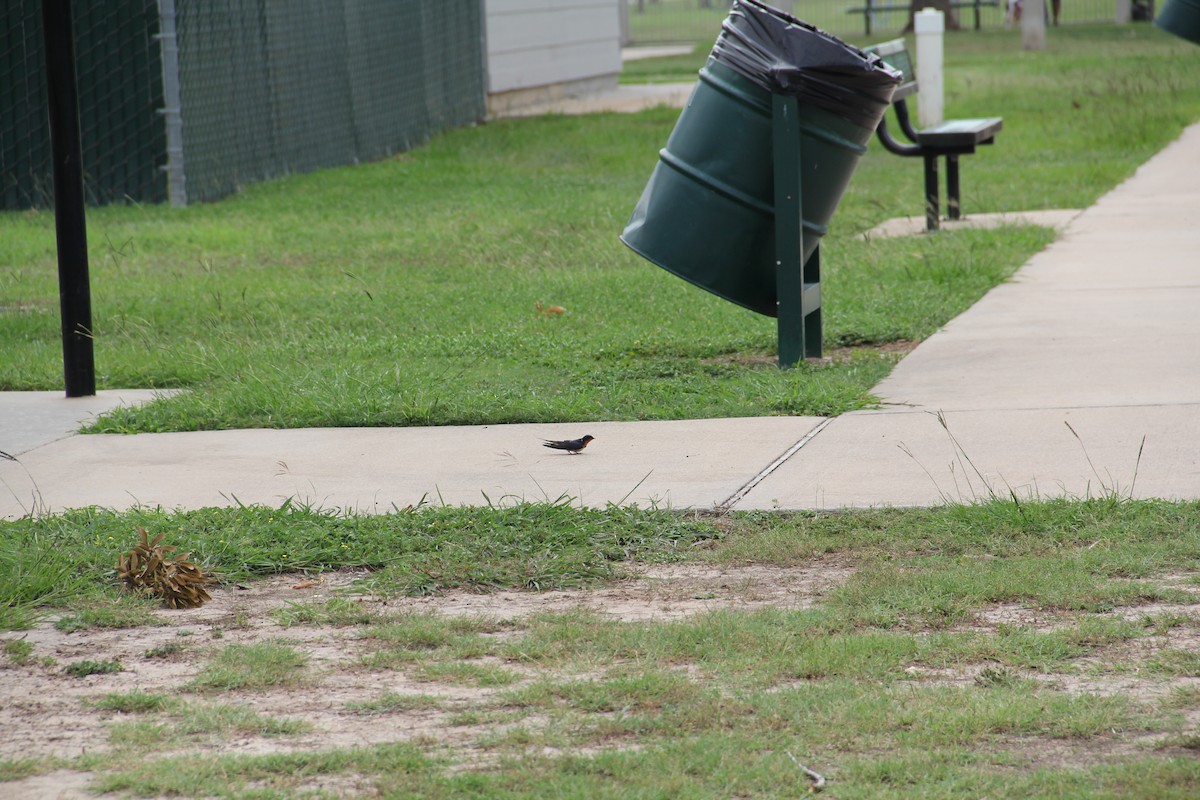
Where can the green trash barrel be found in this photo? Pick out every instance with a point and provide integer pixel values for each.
(707, 213)
(1182, 18)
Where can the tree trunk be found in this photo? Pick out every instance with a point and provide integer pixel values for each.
(952, 23)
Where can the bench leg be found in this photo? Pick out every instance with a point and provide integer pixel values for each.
(812, 305)
(953, 204)
(932, 203)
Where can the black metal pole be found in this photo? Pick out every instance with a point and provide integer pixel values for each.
(67, 151)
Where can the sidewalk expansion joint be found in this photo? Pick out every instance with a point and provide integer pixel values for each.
(728, 504)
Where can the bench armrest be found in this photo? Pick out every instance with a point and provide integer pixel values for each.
(893, 146)
(902, 117)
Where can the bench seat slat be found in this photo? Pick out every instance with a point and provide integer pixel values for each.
(961, 132)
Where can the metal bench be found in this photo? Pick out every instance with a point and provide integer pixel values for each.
(950, 139)
(872, 8)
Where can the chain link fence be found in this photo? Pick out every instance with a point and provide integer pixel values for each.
(192, 99)
(699, 21)
(272, 88)
(120, 89)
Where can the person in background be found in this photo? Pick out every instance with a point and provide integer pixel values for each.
(1013, 15)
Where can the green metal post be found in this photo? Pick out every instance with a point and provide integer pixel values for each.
(797, 284)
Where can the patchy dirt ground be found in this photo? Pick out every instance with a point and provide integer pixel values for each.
(837, 355)
(46, 713)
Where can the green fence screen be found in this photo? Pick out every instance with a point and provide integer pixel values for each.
(294, 85)
(120, 90)
(264, 88)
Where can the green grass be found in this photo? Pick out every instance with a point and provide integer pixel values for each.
(694, 740)
(120, 611)
(14, 769)
(993, 552)
(164, 722)
(894, 683)
(17, 653)
(202, 719)
(465, 673)
(551, 546)
(390, 702)
(164, 650)
(337, 611)
(136, 702)
(402, 292)
(82, 669)
(251, 666)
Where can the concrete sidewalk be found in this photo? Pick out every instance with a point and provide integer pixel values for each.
(1079, 377)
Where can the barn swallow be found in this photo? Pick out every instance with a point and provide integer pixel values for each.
(572, 446)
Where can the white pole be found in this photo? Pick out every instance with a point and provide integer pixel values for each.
(930, 26)
(1124, 12)
(1033, 24)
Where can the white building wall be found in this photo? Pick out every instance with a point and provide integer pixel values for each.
(556, 47)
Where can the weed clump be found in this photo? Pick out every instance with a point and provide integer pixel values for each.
(149, 568)
(81, 669)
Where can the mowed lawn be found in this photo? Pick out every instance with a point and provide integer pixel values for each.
(405, 292)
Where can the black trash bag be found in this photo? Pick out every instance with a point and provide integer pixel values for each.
(786, 56)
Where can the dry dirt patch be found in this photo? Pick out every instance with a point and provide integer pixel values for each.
(46, 713)
(837, 355)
